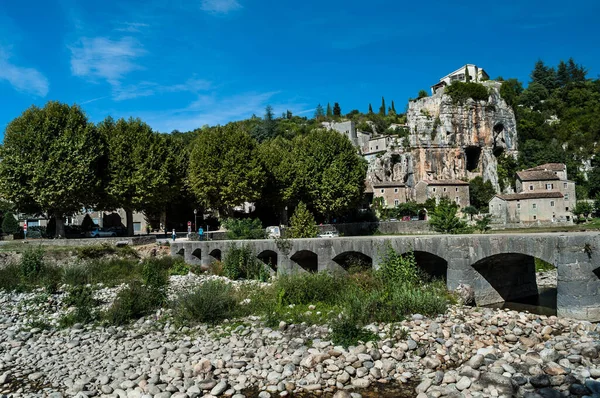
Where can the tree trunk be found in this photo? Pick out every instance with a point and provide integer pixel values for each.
(129, 217)
(60, 226)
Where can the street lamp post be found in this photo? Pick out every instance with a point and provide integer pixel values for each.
(195, 220)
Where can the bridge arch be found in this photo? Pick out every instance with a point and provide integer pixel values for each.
(505, 277)
(306, 260)
(197, 253)
(216, 255)
(432, 265)
(180, 252)
(269, 257)
(354, 260)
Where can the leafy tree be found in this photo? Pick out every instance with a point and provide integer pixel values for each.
(329, 111)
(510, 91)
(245, 228)
(471, 211)
(302, 223)
(10, 225)
(534, 94)
(582, 208)
(422, 94)
(480, 193)
(329, 174)
(143, 170)
(460, 92)
(382, 107)
(337, 110)
(51, 162)
(483, 224)
(444, 218)
(319, 113)
(225, 170)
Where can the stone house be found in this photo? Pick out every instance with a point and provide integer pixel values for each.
(455, 190)
(392, 192)
(476, 74)
(544, 194)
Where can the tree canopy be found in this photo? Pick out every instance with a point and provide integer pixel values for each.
(51, 161)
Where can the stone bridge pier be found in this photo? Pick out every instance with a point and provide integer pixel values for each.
(499, 267)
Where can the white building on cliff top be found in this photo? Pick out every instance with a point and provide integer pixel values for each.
(476, 73)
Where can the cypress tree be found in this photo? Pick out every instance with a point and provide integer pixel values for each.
(337, 110)
(382, 108)
(329, 112)
(370, 109)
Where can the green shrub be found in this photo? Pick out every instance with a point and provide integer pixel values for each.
(92, 252)
(76, 274)
(542, 266)
(346, 333)
(241, 263)
(308, 288)
(179, 267)
(32, 263)
(155, 272)
(133, 302)
(10, 225)
(113, 272)
(82, 298)
(10, 277)
(398, 268)
(212, 302)
(460, 92)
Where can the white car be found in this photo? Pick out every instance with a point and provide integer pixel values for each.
(329, 234)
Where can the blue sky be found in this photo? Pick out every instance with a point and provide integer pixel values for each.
(180, 64)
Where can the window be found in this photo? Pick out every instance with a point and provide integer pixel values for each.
(445, 189)
(491, 206)
(534, 205)
(457, 189)
(565, 185)
(395, 190)
(137, 227)
(531, 187)
(568, 218)
(551, 203)
(549, 186)
(518, 205)
(434, 189)
(566, 209)
(535, 217)
(376, 147)
(383, 190)
(457, 200)
(396, 202)
(566, 196)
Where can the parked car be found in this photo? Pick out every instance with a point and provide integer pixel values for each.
(329, 234)
(120, 231)
(273, 232)
(100, 233)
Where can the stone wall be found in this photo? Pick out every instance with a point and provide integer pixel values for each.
(497, 266)
(132, 241)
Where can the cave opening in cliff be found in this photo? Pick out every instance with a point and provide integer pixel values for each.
(473, 153)
(498, 151)
(498, 128)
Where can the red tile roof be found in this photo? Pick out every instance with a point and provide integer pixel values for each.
(549, 166)
(531, 195)
(536, 175)
(445, 182)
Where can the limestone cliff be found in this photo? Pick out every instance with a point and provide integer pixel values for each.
(451, 141)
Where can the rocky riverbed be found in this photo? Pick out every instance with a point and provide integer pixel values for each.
(467, 352)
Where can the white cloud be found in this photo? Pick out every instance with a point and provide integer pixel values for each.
(147, 89)
(132, 27)
(26, 80)
(220, 6)
(102, 58)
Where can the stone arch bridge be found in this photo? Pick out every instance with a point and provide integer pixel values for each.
(499, 267)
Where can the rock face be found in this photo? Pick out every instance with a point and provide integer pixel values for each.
(451, 141)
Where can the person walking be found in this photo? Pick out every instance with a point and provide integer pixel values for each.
(174, 235)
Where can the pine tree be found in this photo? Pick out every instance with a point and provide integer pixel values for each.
(544, 75)
(576, 72)
(370, 109)
(319, 112)
(329, 112)
(337, 110)
(382, 107)
(302, 223)
(562, 74)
